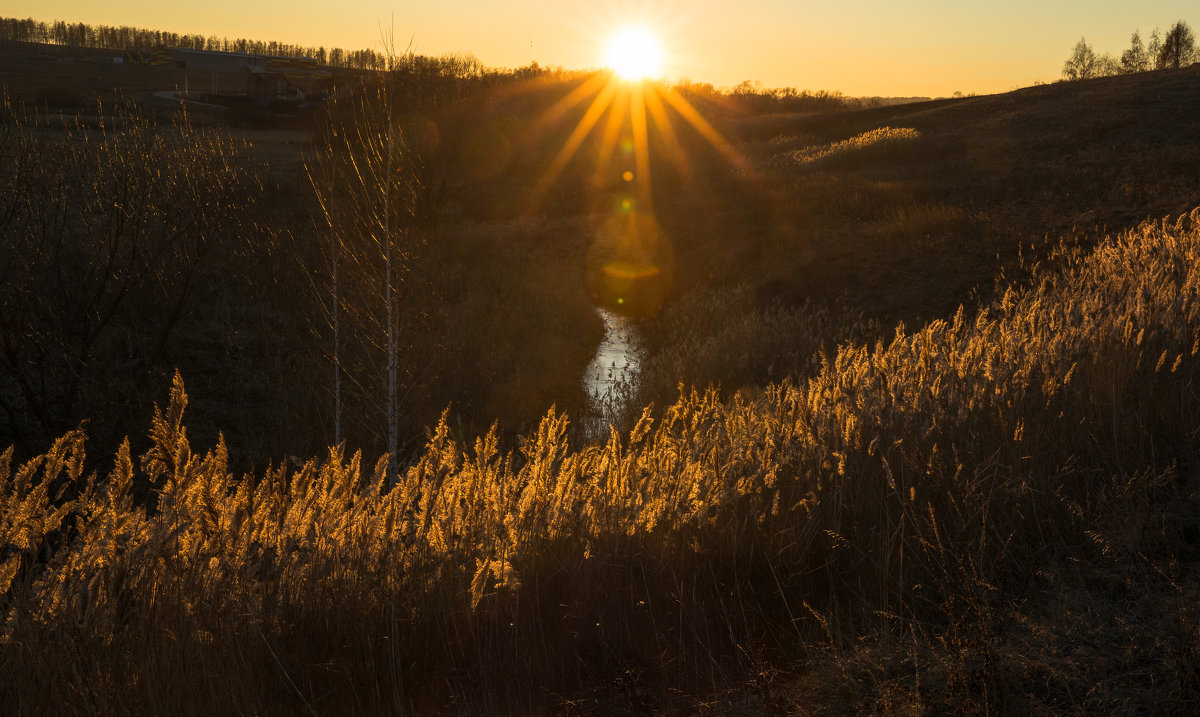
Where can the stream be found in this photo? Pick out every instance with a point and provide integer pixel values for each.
(610, 379)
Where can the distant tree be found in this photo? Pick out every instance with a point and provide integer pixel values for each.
(1135, 58)
(1178, 47)
(1154, 49)
(748, 88)
(1107, 66)
(1082, 63)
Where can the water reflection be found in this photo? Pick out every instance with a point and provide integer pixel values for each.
(611, 376)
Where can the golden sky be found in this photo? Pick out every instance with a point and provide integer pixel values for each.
(860, 47)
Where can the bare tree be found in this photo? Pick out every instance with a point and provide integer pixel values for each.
(368, 197)
(1178, 47)
(1107, 66)
(1154, 48)
(113, 234)
(393, 150)
(1135, 59)
(1082, 64)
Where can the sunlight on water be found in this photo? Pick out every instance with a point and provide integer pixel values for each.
(611, 374)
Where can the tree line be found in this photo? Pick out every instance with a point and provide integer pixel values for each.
(1175, 49)
(749, 95)
(138, 39)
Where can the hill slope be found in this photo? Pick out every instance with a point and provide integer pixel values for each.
(903, 213)
(994, 513)
(982, 175)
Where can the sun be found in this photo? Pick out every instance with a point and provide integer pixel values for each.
(629, 268)
(634, 53)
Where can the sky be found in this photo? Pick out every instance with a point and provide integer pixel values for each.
(858, 47)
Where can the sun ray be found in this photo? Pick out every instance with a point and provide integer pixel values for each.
(612, 129)
(594, 84)
(706, 130)
(661, 121)
(641, 144)
(630, 262)
(590, 118)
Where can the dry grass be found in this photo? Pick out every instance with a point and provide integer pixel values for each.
(945, 521)
(907, 230)
(991, 512)
(881, 143)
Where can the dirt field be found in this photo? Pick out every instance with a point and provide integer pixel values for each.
(69, 81)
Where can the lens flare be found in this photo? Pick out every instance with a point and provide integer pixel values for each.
(630, 264)
(626, 112)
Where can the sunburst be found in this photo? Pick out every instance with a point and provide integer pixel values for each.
(634, 53)
(626, 97)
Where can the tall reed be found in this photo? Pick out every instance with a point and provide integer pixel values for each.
(909, 490)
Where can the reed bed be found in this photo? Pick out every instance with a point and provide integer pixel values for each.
(880, 143)
(883, 535)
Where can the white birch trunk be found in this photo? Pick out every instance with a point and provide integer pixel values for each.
(337, 345)
(393, 410)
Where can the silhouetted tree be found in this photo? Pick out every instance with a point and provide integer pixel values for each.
(368, 196)
(134, 38)
(1178, 47)
(1154, 49)
(1107, 66)
(1082, 63)
(1135, 59)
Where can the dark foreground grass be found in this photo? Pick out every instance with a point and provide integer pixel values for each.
(999, 513)
(136, 243)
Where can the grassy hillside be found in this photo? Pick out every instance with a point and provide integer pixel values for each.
(903, 213)
(993, 507)
(996, 513)
(141, 239)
